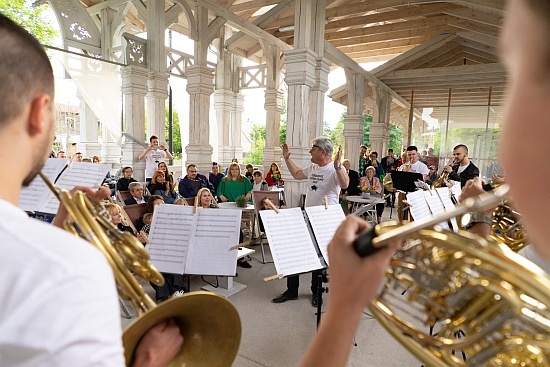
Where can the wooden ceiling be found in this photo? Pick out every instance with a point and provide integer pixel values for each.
(429, 46)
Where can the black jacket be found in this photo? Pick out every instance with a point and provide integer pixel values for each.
(470, 172)
(352, 188)
(133, 201)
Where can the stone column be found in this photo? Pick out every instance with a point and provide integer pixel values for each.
(200, 85)
(304, 71)
(237, 125)
(317, 98)
(354, 120)
(380, 126)
(157, 92)
(89, 130)
(223, 100)
(134, 89)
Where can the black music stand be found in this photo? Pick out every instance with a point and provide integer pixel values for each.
(404, 181)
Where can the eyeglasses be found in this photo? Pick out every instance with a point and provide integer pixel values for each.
(316, 146)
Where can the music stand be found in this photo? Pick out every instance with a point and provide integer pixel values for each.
(404, 181)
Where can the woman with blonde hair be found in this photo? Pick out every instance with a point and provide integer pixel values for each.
(371, 184)
(234, 185)
(115, 211)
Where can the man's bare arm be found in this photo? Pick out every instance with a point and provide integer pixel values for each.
(294, 170)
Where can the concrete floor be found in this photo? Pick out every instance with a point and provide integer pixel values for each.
(277, 335)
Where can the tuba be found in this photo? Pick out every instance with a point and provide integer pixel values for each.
(208, 322)
(447, 292)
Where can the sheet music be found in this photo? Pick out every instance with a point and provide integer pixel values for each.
(170, 235)
(420, 208)
(216, 231)
(445, 196)
(456, 189)
(436, 206)
(33, 197)
(77, 174)
(324, 223)
(291, 245)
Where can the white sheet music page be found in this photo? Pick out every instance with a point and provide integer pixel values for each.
(324, 223)
(436, 206)
(34, 197)
(420, 208)
(445, 196)
(170, 235)
(217, 230)
(77, 174)
(290, 242)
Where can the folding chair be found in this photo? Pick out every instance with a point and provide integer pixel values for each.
(257, 197)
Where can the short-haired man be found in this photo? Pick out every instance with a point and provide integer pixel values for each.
(462, 168)
(77, 157)
(215, 176)
(325, 177)
(353, 185)
(373, 161)
(190, 185)
(123, 183)
(362, 163)
(387, 161)
(415, 164)
(59, 304)
(61, 154)
(154, 154)
(136, 190)
(249, 172)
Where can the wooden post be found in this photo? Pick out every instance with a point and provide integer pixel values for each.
(411, 115)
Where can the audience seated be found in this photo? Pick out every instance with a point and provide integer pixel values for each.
(258, 184)
(234, 185)
(190, 185)
(136, 190)
(167, 175)
(159, 186)
(273, 176)
(126, 179)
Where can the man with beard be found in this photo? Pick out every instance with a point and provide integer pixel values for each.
(462, 169)
(59, 305)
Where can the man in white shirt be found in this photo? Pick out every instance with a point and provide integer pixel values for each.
(324, 178)
(416, 166)
(59, 305)
(154, 154)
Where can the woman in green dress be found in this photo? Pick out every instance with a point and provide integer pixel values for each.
(234, 185)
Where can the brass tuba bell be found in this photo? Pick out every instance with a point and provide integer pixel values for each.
(208, 322)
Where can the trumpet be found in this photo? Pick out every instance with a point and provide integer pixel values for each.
(443, 180)
(208, 322)
(476, 295)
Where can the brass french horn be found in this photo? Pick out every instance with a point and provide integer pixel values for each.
(209, 323)
(443, 179)
(448, 292)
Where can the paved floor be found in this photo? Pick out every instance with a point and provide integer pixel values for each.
(277, 335)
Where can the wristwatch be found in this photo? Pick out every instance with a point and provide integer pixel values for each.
(468, 220)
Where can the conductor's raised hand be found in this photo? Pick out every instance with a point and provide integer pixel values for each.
(286, 151)
(354, 280)
(337, 157)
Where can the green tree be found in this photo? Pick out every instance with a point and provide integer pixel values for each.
(31, 18)
(396, 139)
(336, 134)
(176, 133)
(257, 137)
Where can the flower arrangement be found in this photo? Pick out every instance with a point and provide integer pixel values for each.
(276, 176)
(241, 201)
(369, 189)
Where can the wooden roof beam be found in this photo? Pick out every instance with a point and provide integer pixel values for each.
(384, 44)
(476, 16)
(446, 72)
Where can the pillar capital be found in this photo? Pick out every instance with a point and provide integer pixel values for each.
(157, 84)
(300, 67)
(134, 80)
(200, 80)
(322, 69)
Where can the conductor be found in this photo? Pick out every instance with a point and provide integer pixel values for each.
(324, 177)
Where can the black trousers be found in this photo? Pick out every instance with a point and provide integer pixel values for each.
(293, 283)
(172, 283)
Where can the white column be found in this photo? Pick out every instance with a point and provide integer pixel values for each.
(223, 100)
(134, 88)
(200, 85)
(354, 120)
(89, 130)
(380, 127)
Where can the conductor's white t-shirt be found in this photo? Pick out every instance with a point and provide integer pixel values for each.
(321, 182)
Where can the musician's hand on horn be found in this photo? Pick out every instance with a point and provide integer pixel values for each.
(93, 194)
(159, 346)
(354, 281)
(448, 168)
(473, 188)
